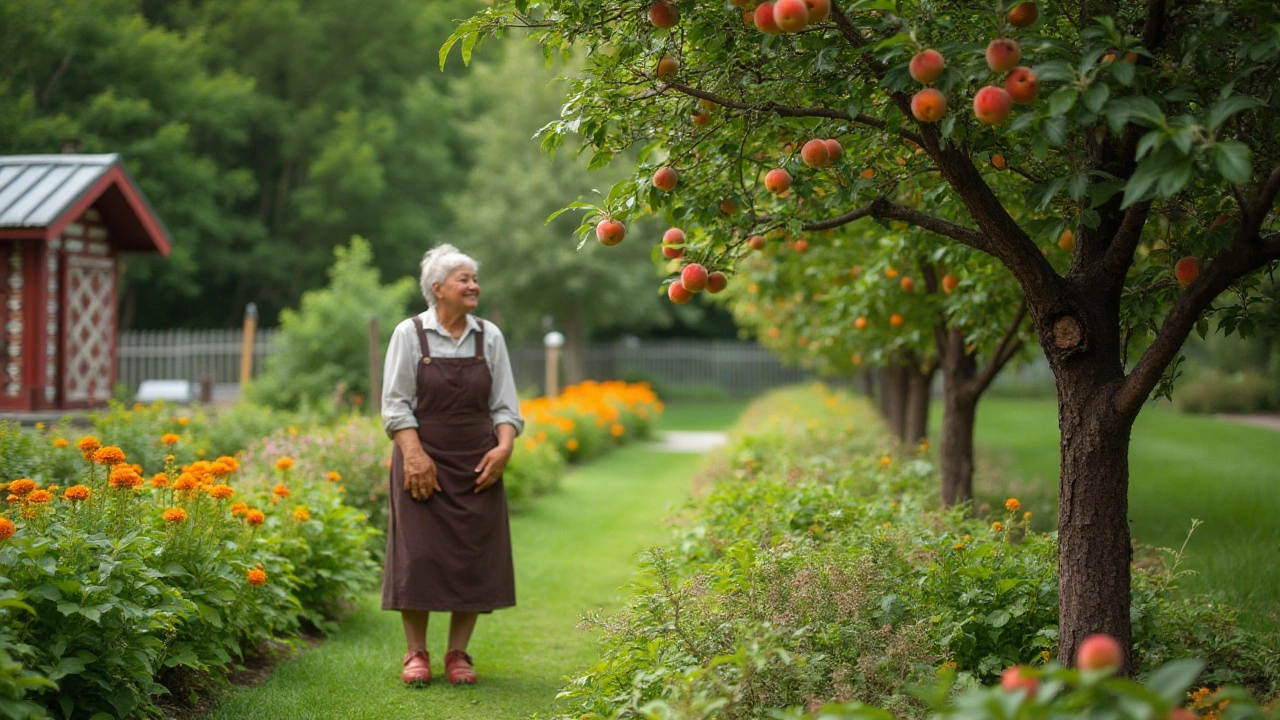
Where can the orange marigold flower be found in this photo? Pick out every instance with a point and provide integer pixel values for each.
(257, 576)
(169, 439)
(280, 491)
(1012, 505)
(160, 480)
(572, 445)
(22, 486)
(109, 455)
(88, 445)
(284, 463)
(229, 461)
(174, 516)
(1026, 516)
(13, 499)
(886, 461)
(53, 488)
(617, 430)
(6, 528)
(59, 442)
(997, 526)
(184, 421)
(124, 476)
(221, 492)
(301, 514)
(255, 517)
(186, 481)
(76, 493)
(221, 469)
(169, 458)
(333, 476)
(239, 507)
(40, 497)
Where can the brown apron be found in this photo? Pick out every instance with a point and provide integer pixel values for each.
(452, 552)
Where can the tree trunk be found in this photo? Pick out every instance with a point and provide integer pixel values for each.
(1094, 551)
(575, 347)
(893, 389)
(916, 425)
(869, 384)
(959, 412)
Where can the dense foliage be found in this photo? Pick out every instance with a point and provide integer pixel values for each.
(816, 567)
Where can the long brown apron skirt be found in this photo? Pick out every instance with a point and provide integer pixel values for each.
(453, 551)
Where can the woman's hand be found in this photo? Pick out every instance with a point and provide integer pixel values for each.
(420, 479)
(491, 466)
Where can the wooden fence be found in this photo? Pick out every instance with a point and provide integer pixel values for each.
(697, 366)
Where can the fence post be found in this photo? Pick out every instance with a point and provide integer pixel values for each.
(375, 367)
(246, 349)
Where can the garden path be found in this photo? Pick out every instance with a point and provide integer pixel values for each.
(574, 552)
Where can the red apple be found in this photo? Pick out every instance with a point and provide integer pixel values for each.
(667, 67)
(1012, 679)
(801, 246)
(1181, 713)
(790, 15)
(1024, 15)
(950, 283)
(895, 319)
(777, 181)
(1068, 240)
(1187, 270)
(860, 323)
(834, 151)
(908, 284)
(716, 282)
(694, 277)
(926, 66)
(1003, 54)
(674, 236)
(664, 15)
(678, 293)
(701, 117)
(610, 232)
(929, 105)
(1022, 85)
(1099, 652)
(665, 179)
(756, 242)
(764, 19)
(728, 207)
(815, 154)
(992, 105)
(818, 10)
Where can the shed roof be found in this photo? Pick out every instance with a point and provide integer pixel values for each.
(41, 194)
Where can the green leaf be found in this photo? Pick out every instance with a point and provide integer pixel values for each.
(1123, 71)
(1228, 106)
(67, 666)
(1231, 157)
(1171, 681)
(575, 205)
(1096, 96)
(1062, 101)
(1176, 177)
(1136, 109)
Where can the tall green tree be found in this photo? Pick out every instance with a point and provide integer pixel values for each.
(532, 269)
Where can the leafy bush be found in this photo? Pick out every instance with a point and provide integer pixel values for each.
(325, 345)
(588, 419)
(1242, 392)
(816, 566)
(117, 584)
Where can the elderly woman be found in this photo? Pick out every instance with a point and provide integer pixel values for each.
(449, 402)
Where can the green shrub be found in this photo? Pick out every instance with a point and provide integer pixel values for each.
(324, 346)
(1241, 392)
(535, 469)
(815, 566)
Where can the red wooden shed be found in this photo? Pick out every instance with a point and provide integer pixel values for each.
(64, 219)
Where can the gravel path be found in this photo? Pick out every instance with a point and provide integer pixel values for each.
(1271, 422)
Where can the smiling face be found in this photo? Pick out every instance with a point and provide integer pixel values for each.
(459, 291)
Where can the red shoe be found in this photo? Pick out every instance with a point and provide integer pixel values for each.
(457, 667)
(417, 668)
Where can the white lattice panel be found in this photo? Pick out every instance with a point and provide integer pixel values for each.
(13, 329)
(90, 328)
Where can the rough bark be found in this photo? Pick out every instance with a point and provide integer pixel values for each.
(959, 413)
(916, 422)
(868, 380)
(893, 398)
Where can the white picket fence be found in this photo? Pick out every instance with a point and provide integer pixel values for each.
(733, 368)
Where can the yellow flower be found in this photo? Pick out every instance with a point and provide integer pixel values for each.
(257, 576)
(958, 546)
(886, 461)
(293, 430)
(59, 442)
(1044, 656)
(997, 526)
(255, 517)
(6, 528)
(76, 493)
(284, 463)
(572, 445)
(169, 439)
(200, 452)
(22, 486)
(949, 665)
(1012, 505)
(1026, 515)
(301, 514)
(333, 476)
(174, 516)
(221, 492)
(924, 447)
(184, 421)
(39, 426)
(137, 406)
(109, 455)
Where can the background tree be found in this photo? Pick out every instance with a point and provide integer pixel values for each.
(1156, 123)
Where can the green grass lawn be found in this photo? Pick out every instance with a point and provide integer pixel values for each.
(574, 551)
(709, 415)
(1181, 467)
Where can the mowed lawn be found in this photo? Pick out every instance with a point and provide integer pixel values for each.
(575, 552)
(1181, 467)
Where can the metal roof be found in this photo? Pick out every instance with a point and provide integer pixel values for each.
(35, 190)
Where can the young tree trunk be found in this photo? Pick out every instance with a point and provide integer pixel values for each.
(575, 347)
(1094, 551)
(917, 412)
(893, 389)
(869, 384)
(959, 412)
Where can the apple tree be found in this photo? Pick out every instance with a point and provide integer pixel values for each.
(1125, 121)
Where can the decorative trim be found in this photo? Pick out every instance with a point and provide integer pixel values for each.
(51, 327)
(90, 330)
(13, 325)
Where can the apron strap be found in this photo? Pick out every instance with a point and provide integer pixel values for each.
(480, 340)
(422, 337)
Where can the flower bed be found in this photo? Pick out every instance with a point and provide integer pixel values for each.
(815, 567)
(588, 419)
(122, 580)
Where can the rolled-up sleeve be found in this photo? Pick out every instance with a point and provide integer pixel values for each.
(400, 382)
(504, 403)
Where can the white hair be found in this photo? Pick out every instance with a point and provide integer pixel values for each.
(439, 262)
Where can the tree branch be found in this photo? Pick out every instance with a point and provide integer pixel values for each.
(1008, 346)
(885, 210)
(1243, 257)
(1119, 255)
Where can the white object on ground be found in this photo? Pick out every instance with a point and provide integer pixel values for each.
(690, 441)
(179, 391)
